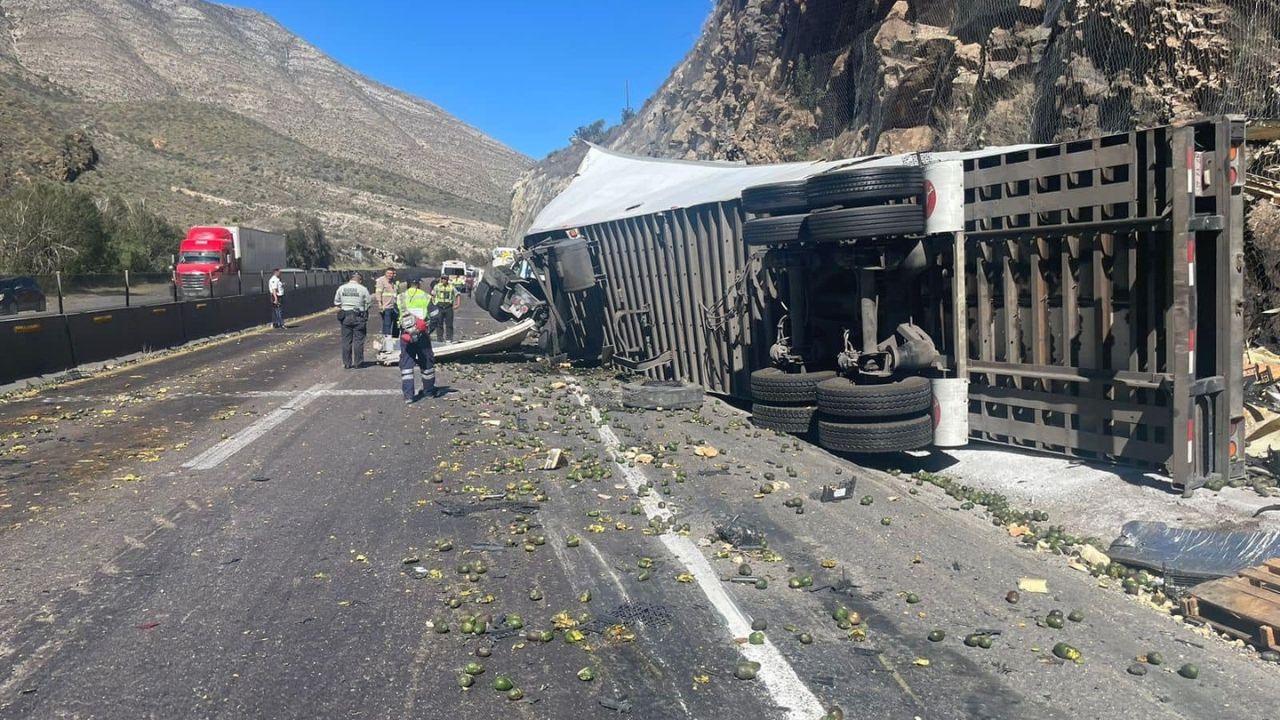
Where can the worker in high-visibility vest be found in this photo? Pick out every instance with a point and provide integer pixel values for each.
(415, 342)
(445, 297)
(414, 300)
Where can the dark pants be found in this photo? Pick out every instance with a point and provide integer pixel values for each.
(446, 323)
(389, 318)
(277, 312)
(417, 354)
(354, 325)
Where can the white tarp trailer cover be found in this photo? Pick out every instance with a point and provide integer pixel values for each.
(610, 185)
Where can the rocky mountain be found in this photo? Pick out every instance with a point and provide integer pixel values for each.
(775, 80)
(215, 113)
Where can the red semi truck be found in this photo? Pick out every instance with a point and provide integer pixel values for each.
(211, 257)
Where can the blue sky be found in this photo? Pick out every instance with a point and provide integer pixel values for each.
(525, 72)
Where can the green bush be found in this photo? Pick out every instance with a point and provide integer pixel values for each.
(46, 227)
(307, 245)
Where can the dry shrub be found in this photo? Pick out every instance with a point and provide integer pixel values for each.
(1262, 272)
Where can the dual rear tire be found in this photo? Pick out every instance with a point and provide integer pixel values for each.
(875, 418)
(786, 402)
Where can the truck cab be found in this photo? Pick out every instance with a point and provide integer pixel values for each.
(205, 257)
(212, 257)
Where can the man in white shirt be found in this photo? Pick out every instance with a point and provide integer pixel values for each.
(276, 287)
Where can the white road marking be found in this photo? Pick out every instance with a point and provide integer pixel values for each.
(215, 455)
(780, 679)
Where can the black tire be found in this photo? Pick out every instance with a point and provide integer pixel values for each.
(839, 397)
(795, 419)
(778, 387)
(876, 437)
(856, 187)
(662, 395)
(778, 230)
(500, 277)
(783, 198)
(866, 222)
(481, 294)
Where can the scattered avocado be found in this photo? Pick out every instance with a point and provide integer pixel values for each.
(586, 674)
(1054, 621)
(762, 584)
(1137, 669)
(805, 639)
(1012, 597)
(759, 624)
(937, 636)
(1189, 671)
(515, 694)
(1155, 658)
(1076, 616)
(746, 670)
(465, 681)
(756, 638)
(744, 570)
(911, 598)
(867, 500)
(502, 683)
(1066, 652)
(483, 651)
(886, 521)
(473, 668)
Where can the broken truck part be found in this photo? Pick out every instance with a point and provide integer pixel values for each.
(1090, 292)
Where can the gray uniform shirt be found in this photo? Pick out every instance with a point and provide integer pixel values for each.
(352, 296)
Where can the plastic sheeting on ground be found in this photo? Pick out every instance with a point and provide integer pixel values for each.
(610, 185)
(1190, 556)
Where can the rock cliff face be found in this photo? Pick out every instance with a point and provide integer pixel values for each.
(775, 80)
(218, 113)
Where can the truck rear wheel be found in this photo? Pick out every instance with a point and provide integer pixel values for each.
(856, 187)
(795, 419)
(876, 437)
(782, 198)
(779, 387)
(866, 222)
(779, 230)
(840, 397)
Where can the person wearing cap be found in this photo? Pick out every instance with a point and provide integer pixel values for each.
(353, 300)
(415, 342)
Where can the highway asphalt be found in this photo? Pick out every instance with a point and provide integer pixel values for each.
(246, 530)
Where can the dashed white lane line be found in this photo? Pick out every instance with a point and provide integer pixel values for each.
(215, 455)
(780, 679)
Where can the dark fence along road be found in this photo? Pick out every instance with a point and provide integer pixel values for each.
(43, 344)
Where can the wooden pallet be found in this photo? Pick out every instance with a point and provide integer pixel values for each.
(1246, 606)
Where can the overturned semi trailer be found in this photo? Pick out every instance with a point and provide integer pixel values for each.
(1090, 291)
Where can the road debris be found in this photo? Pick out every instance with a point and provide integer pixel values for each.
(1033, 585)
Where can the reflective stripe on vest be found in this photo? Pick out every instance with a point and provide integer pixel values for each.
(445, 292)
